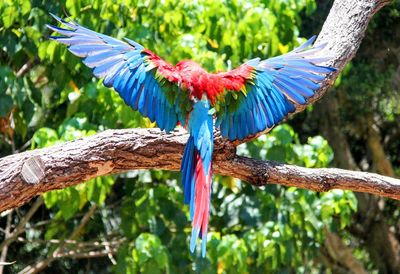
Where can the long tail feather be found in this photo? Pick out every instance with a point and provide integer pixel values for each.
(202, 205)
(197, 172)
(187, 169)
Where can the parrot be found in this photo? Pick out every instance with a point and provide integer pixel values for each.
(252, 98)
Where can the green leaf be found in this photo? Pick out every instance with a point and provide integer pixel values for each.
(283, 133)
(125, 262)
(44, 137)
(6, 104)
(25, 6)
(98, 188)
(9, 16)
(69, 202)
(150, 254)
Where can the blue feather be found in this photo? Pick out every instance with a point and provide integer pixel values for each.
(243, 131)
(108, 68)
(150, 99)
(187, 169)
(137, 88)
(265, 109)
(302, 89)
(259, 122)
(144, 98)
(306, 44)
(101, 58)
(110, 59)
(85, 50)
(289, 92)
(291, 72)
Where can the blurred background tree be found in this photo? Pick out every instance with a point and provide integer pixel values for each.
(136, 222)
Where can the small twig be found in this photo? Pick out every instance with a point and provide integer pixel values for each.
(25, 146)
(4, 248)
(109, 249)
(7, 263)
(6, 212)
(83, 222)
(341, 254)
(80, 251)
(85, 255)
(26, 67)
(74, 243)
(57, 253)
(21, 226)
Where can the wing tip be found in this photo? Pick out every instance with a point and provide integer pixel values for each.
(54, 16)
(70, 24)
(58, 19)
(312, 39)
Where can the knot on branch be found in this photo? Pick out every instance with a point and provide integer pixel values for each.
(261, 179)
(33, 170)
(325, 185)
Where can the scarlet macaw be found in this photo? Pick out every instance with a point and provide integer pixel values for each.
(249, 99)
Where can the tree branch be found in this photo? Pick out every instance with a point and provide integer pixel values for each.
(116, 151)
(27, 174)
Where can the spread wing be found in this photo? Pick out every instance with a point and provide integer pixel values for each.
(259, 94)
(145, 81)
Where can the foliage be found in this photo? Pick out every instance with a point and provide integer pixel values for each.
(254, 230)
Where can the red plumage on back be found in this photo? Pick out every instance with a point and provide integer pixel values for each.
(199, 82)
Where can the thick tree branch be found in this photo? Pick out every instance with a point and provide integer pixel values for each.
(116, 151)
(318, 179)
(27, 174)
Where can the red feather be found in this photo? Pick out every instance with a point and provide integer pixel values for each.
(164, 68)
(199, 82)
(236, 79)
(193, 78)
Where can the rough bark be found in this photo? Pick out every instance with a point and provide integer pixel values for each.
(116, 151)
(25, 175)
